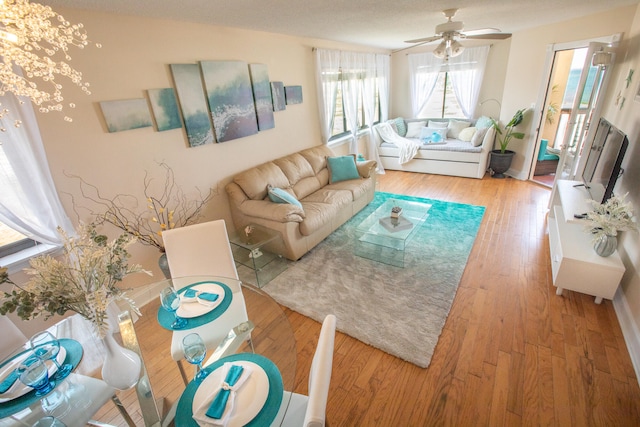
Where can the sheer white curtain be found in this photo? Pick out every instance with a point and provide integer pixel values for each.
(369, 104)
(29, 202)
(466, 72)
(382, 81)
(327, 81)
(423, 75)
(352, 64)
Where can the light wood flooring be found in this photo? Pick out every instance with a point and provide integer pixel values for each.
(511, 353)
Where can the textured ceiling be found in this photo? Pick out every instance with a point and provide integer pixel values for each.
(378, 23)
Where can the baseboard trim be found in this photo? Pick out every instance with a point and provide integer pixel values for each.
(630, 330)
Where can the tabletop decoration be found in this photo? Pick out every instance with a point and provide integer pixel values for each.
(605, 220)
(166, 209)
(73, 357)
(270, 409)
(84, 280)
(221, 406)
(166, 318)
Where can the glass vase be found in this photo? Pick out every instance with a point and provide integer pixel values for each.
(605, 245)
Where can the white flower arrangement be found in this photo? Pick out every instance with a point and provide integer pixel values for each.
(84, 280)
(608, 218)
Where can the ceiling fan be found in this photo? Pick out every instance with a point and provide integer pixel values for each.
(451, 32)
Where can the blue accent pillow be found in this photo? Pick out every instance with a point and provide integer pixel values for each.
(278, 195)
(483, 122)
(342, 168)
(401, 126)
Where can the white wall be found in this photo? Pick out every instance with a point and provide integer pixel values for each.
(627, 119)
(525, 77)
(135, 56)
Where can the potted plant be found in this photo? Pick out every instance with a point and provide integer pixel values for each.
(501, 158)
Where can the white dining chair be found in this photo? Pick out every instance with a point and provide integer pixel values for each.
(203, 250)
(12, 337)
(310, 411)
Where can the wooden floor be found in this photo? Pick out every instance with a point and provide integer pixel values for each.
(511, 353)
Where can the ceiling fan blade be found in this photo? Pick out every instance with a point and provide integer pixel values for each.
(480, 31)
(424, 39)
(410, 47)
(492, 36)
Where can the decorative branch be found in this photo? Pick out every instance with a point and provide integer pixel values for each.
(170, 209)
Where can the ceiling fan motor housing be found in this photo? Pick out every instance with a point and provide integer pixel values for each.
(447, 27)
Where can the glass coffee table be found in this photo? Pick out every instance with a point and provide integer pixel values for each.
(250, 251)
(383, 238)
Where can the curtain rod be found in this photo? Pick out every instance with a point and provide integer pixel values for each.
(313, 49)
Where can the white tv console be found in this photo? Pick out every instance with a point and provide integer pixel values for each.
(574, 263)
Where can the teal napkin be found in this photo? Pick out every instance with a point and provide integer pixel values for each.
(190, 293)
(220, 401)
(207, 296)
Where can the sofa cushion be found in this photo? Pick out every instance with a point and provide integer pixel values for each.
(295, 167)
(414, 129)
(255, 180)
(357, 187)
(342, 168)
(455, 126)
(483, 122)
(467, 133)
(440, 124)
(317, 214)
(430, 135)
(401, 126)
(278, 195)
(478, 137)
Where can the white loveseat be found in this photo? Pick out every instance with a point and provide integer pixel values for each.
(448, 157)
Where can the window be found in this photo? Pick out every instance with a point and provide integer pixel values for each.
(340, 125)
(443, 103)
(11, 241)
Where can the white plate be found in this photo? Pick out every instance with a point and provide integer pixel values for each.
(250, 398)
(18, 389)
(188, 310)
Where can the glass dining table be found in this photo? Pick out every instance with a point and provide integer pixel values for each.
(264, 340)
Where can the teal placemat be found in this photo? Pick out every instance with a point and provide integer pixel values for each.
(166, 318)
(73, 356)
(184, 412)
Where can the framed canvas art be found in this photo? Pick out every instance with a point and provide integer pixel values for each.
(277, 93)
(293, 94)
(126, 114)
(228, 91)
(164, 108)
(262, 96)
(193, 104)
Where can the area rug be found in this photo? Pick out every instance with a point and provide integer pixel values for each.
(399, 310)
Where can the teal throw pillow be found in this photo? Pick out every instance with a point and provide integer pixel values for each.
(342, 168)
(401, 126)
(278, 195)
(483, 122)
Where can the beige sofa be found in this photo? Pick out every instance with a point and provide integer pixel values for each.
(304, 175)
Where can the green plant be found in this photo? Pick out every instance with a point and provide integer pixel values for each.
(508, 133)
(84, 280)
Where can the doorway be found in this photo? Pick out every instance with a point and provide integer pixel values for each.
(571, 101)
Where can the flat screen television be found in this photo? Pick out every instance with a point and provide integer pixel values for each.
(604, 161)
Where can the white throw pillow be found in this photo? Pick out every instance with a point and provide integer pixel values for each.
(466, 134)
(414, 129)
(393, 124)
(455, 126)
(478, 137)
(439, 124)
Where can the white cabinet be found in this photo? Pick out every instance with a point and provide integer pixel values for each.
(574, 263)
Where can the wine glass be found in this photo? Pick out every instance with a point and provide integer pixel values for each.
(46, 347)
(36, 375)
(195, 351)
(171, 302)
